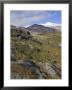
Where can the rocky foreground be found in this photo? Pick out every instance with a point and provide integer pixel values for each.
(34, 70)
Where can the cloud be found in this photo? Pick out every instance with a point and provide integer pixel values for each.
(27, 26)
(25, 18)
(35, 17)
(50, 24)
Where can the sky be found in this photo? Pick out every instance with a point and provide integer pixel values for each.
(27, 18)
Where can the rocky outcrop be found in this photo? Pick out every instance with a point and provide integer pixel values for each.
(33, 70)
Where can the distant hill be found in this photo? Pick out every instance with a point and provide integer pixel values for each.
(40, 28)
(58, 28)
(53, 25)
(18, 28)
(13, 27)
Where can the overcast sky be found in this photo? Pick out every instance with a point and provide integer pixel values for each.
(27, 18)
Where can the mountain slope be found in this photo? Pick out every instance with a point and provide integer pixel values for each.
(40, 28)
(33, 56)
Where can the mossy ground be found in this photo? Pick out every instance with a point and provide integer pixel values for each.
(48, 51)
